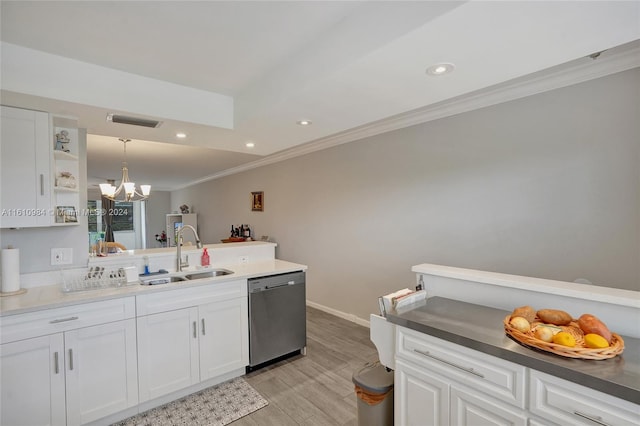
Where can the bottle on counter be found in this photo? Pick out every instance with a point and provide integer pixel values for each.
(247, 232)
(204, 260)
(233, 233)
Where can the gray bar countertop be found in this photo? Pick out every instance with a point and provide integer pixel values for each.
(481, 328)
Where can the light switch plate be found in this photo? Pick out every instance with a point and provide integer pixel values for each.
(61, 256)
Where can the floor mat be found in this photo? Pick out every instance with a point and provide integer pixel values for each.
(215, 406)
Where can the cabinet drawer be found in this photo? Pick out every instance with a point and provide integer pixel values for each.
(472, 408)
(49, 321)
(499, 378)
(169, 300)
(568, 403)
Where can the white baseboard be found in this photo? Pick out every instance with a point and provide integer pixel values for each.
(343, 315)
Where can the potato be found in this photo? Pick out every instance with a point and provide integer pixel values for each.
(526, 312)
(520, 324)
(544, 333)
(591, 324)
(554, 316)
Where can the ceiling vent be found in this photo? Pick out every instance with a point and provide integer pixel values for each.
(133, 121)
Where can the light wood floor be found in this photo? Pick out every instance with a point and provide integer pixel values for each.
(315, 389)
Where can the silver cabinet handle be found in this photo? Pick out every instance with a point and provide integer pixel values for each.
(595, 419)
(63, 320)
(459, 367)
(70, 359)
(56, 367)
(41, 184)
(203, 332)
(195, 333)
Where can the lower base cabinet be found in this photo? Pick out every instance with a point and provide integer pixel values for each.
(439, 383)
(89, 362)
(472, 408)
(69, 378)
(32, 377)
(168, 352)
(421, 398)
(101, 371)
(224, 343)
(424, 398)
(183, 347)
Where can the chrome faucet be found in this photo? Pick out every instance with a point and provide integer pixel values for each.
(179, 263)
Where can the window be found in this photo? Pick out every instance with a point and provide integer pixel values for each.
(123, 216)
(92, 208)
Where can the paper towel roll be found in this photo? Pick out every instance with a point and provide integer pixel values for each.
(10, 270)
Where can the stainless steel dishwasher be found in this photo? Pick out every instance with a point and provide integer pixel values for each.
(277, 317)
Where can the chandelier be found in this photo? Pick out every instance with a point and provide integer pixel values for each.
(126, 188)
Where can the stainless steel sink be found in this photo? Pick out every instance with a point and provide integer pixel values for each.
(208, 274)
(163, 280)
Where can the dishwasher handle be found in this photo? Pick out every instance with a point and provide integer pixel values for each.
(274, 287)
(269, 287)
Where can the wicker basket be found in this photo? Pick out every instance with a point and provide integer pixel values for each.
(579, 351)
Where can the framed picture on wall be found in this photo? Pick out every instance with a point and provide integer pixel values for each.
(257, 201)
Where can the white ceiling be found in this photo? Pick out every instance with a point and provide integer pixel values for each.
(228, 72)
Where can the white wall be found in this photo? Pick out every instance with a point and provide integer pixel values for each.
(546, 186)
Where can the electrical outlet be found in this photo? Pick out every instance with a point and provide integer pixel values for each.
(244, 259)
(61, 256)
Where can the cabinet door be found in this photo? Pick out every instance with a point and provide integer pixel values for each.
(223, 337)
(101, 371)
(421, 398)
(167, 352)
(25, 168)
(476, 409)
(32, 382)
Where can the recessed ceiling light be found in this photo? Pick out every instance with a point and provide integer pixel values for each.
(181, 135)
(440, 69)
(303, 122)
(249, 144)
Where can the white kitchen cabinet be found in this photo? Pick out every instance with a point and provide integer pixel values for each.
(96, 365)
(25, 169)
(421, 398)
(66, 172)
(224, 344)
(439, 383)
(101, 371)
(32, 382)
(472, 408)
(563, 402)
(69, 365)
(168, 358)
(190, 335)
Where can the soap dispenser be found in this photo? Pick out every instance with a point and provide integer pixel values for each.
(204, 260)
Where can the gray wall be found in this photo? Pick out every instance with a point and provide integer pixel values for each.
(158, 206)
(546, 186)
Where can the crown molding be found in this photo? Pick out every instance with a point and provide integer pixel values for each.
(575, 72)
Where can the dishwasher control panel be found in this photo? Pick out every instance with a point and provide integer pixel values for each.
(274, 281)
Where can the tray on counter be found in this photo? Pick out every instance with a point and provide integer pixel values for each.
(579, 351)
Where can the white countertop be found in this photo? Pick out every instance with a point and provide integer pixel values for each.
(51, 296)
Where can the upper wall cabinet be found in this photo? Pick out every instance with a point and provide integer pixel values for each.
(25, 172)
(66, 168)
(39, 169)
